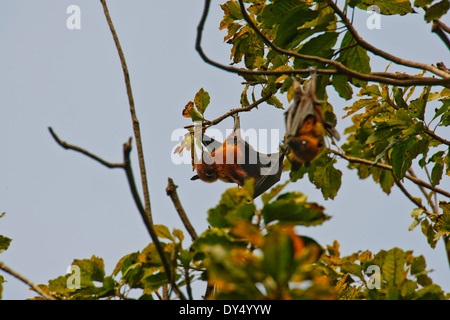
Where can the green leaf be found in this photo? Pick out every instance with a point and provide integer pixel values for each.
(133, 275)
(422, 3)
(443, 220)
(342, 87)
(418, 265)
(195, 115)
(437, 10)
(388, 7)
(438, 169)
(278, 256)
(354, 57)
(325, 177)
(4, 243)
(235, 204)
(162, 231)
(154, 282)
(59, 285)
(320, 46)
(392, 269)
(216, 236)
(232, 9)
(436, 173)
(201, 101)
(404, 152)
(292, 208)
(416, 108)
(429, 232)
(286, 16)
(91, 270)
(398, 98)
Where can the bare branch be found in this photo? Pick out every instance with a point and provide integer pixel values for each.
(388, 167)
(410, 197)
(425, 193)
(172, 193)
(147, 222)
(68, 146)
(381, 53)
(436, 137)
(134, 119)
(436, 28)
(208, 124)
(26, 281)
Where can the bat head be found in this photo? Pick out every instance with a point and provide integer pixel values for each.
(206, 170)
(305, 148)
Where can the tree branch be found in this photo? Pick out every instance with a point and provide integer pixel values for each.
(436, 137)
(341, 69)
(68, 146)
(410, 197)
(134, 119)
(126, 165)
(172, 193)
(26, 281)
(388, 167)
(436, 28)
(208, 124)
(381, 53)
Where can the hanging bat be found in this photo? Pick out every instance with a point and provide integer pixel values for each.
(235, 160)
(305, 124)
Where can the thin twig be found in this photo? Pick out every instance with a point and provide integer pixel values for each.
(68, 146)
(388, 167)
(26, 281)
(410, 197)
(436, 137)
(172, 193)
(148, 224)
(436, 28)
(134, 118)
(126, 165)
(381, 53)
(425, 193)
(208, 124)
(188, 283)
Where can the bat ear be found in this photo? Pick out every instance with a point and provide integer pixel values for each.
(237, 124)
(298, 92)
(196, 177)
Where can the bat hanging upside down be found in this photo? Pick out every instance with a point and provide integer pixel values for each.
(305, 124)
(235, 160)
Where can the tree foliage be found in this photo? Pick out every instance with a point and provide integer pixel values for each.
(257, 253)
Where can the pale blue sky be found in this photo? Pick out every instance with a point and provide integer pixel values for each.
(61, 205)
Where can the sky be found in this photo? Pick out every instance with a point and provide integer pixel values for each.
(61, 205)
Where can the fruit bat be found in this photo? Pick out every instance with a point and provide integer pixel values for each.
(235, 160)
(305, 124)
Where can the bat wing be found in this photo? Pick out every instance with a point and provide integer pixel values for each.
(271, 176)
(210, 143)
(297, 113)
(332, 130)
